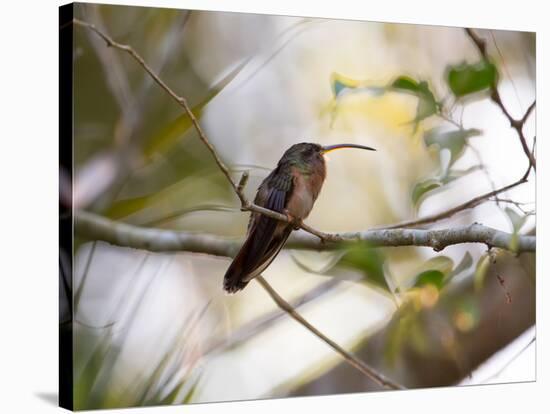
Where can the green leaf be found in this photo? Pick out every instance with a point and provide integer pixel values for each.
(406, 83)
(465, 78)
(427, 104)
(174, 131)
(455, 141)
(326, 265)
(398, 331)
(514, 242)
(174, 199)
(445, 164)
(407, 330)
(455, 173)
(433, 271)
(466, 314)
(517, 223)
(123, 208)
(369, 261)
(430, 277)
(425, 109)
(481, 271)
(464, 264)
(421, 189)
(440, 262)
(516, 220)
(340, 83)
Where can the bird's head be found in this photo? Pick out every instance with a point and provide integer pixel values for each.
(306, 153)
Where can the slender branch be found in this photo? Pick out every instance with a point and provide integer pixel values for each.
(245, 204)
(122, 234)
(517, 124)
(116, 79)
(504, 66)
(461, 207)
(157, 238)
(528, 112)
(351, 359)
(263, 322)
(243, 181)
(519, 206)
(179, 99)
(96, 227)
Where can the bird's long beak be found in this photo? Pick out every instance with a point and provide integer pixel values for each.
(329, 148)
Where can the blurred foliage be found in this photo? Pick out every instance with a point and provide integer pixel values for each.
(163, 173)
(465, 79)
(93, 385)
(517, 221)
(481, 270)
(368, 261)
(430, 277)
(455, 141)
(449, 145)
(170, 380)
(427, 105)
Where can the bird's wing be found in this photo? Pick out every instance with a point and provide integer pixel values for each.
(265, 239)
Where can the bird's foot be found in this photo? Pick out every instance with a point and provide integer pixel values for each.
(295, 222)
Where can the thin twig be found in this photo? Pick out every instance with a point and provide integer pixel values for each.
(517, 124)
(528, 112)
(461, 207)
(125, 234)
(179, 99)
(245, 204)
(117, 80)
(351, 359)
(518, 205)
(238, 188)
(504, 66)
(260, 324)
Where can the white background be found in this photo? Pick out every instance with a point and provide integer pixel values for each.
(29, 183)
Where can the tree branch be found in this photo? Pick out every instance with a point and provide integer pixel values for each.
(95, 227)
(351, 359)
(461, 207)
(179, 99)
(152, 239)
(245, 204)
(100, 228)
(260, 324)
(517, 124)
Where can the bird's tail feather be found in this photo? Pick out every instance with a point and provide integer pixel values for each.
(233, 279)
(248, 264)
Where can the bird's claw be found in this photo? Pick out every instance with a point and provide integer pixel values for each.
(295, 222)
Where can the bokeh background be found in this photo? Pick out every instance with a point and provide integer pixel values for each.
(153, 328)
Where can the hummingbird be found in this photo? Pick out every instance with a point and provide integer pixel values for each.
(290, 189)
